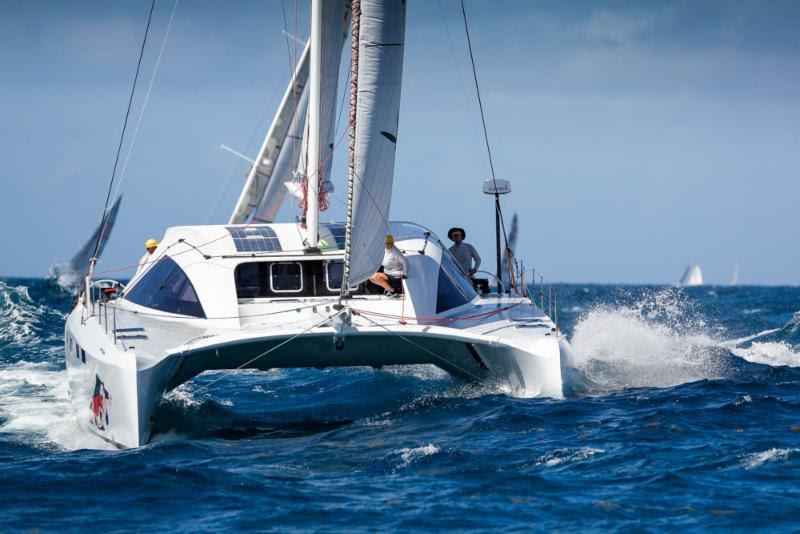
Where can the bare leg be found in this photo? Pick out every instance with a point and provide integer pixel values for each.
(381, 280)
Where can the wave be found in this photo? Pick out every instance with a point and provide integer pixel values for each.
(35, 407)
(412, 455)
(758, 459)
(662, 340)
(657, 341)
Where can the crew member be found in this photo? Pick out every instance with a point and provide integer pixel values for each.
(464, 253)
(150, 245)
(393, 269)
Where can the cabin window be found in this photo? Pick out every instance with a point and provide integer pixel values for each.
(334, 271)
(286, 277)
(290, 279)
(454, 288)
(166, 287)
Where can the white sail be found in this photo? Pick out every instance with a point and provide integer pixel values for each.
(693, 276)
(380, 72)
(291, 152)
(512, 244)
(261, 172)
(79, 263)
(335, 20)
(735, 279)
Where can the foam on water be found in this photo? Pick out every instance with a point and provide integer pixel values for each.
(658, 341)
(35, 406)
(757, 459)
(415, 454)
(562, 456)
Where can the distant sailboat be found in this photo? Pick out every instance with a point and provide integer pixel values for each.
(68, 275)
(512, 246)
(735, 278)
(693, 276)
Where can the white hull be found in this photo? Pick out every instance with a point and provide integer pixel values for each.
(122, 356)
(520, 357)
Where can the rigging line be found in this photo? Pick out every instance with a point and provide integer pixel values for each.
(292, 72)
(104, 219)
(432, 353)
(477, 88)
(146, 99)
(455, 63)
(483, 118)
(265, 353)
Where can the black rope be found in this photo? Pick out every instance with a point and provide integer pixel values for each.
(483, 122)
(104, 219)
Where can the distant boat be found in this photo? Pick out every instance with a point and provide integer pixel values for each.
(693, 276)
(735, 278)
(68, 275)
(512, 245)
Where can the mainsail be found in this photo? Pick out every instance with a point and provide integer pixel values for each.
(79, 263)
(381, 36)
(264, 192)
(335, 20)
(261, 172)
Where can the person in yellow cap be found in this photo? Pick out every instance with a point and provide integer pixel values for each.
(150, 245)
(392, 271)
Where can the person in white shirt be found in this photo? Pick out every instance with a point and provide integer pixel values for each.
(151, 245)
(393, 269)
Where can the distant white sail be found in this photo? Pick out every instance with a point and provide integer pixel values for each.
(380, 72)
(735, 279)
(693, 276)
(512, 244)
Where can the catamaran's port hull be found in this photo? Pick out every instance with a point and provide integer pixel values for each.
(116, 399)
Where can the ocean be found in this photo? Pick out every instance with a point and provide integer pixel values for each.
(683, 413)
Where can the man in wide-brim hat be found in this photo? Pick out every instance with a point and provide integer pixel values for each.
(464, 253)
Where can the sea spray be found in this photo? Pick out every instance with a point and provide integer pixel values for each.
(658, 340)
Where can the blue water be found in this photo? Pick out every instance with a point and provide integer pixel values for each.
(684, 412)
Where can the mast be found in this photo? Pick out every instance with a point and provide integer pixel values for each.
(348, 244)
(314, 127)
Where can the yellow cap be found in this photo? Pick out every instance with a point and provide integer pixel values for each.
(151, 243)
(389, 239)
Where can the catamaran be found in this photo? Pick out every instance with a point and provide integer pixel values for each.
(256, 294)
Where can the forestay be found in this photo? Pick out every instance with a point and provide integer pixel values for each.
(380, 70)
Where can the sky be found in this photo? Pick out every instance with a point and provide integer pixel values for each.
(638, 137)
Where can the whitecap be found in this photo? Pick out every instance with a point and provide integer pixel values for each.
(412, 455)
(561, 456)
(774, 353)
(757, 459)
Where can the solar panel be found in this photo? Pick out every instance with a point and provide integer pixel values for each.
(338, 232)
(254, 238)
